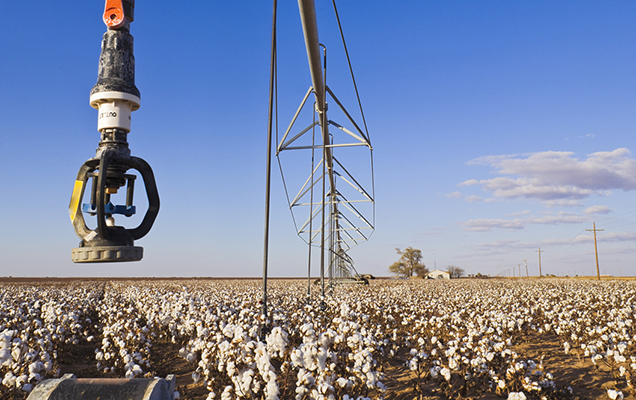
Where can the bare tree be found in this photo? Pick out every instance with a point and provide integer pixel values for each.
(455, 272)
(409, 263)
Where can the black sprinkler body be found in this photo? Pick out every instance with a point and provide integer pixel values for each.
(115, 96)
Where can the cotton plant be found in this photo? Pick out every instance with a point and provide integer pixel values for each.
(126, 339)
(458, 336)
(35, 323)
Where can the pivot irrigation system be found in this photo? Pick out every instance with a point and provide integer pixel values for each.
(332, 205)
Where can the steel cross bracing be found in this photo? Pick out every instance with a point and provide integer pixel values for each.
(332, 209)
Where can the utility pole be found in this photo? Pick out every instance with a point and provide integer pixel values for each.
(526, 263)
(540, 274)
(598, 272)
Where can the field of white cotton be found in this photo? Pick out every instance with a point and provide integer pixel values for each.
(393, 339)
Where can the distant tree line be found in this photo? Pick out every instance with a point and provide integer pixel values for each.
(455, 272)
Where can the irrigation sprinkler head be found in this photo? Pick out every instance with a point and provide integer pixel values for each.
(115, 96)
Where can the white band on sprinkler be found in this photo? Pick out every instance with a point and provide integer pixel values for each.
(114, 109)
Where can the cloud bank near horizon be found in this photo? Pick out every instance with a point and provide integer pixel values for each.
(557, 178)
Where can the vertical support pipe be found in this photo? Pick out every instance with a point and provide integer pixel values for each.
(322, 232)
(310, 31)
(268, 174)
(311, 208)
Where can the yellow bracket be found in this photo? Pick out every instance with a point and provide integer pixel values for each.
(75, 199)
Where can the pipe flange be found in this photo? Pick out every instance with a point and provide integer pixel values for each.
(107, 254)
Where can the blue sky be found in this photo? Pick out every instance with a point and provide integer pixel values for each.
(498, 127)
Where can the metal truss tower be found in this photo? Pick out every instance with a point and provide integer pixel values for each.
(334, 207)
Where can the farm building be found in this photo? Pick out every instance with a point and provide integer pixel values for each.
(438, 274)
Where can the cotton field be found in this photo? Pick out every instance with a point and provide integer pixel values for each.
(391, 339)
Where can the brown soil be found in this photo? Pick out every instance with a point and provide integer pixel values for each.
(588, 381)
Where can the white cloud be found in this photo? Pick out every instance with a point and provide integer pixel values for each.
(509, 245)
(549, 219)
(487, 224)
(472, 199)
(598, 210)
(562, 203)
(469, 182)
(459, 195)
(554, 176)
(588, 238)
(520, 213)
(616, 237)
(560, 218)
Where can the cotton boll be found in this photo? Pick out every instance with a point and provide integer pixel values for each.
(137, 370)
(231, 368)
(445, 373)
(227, 393)
(342, 382)
(300, 392)
(566, 347)
(36, 367)
(271, 391)
(614, 394)
(5, 355)
(322, 357)
(21, 380)
(9, 380)
(35, 377)
(16, 353)
(516, 396)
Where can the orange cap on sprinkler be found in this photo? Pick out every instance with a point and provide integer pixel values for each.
(114, 14)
